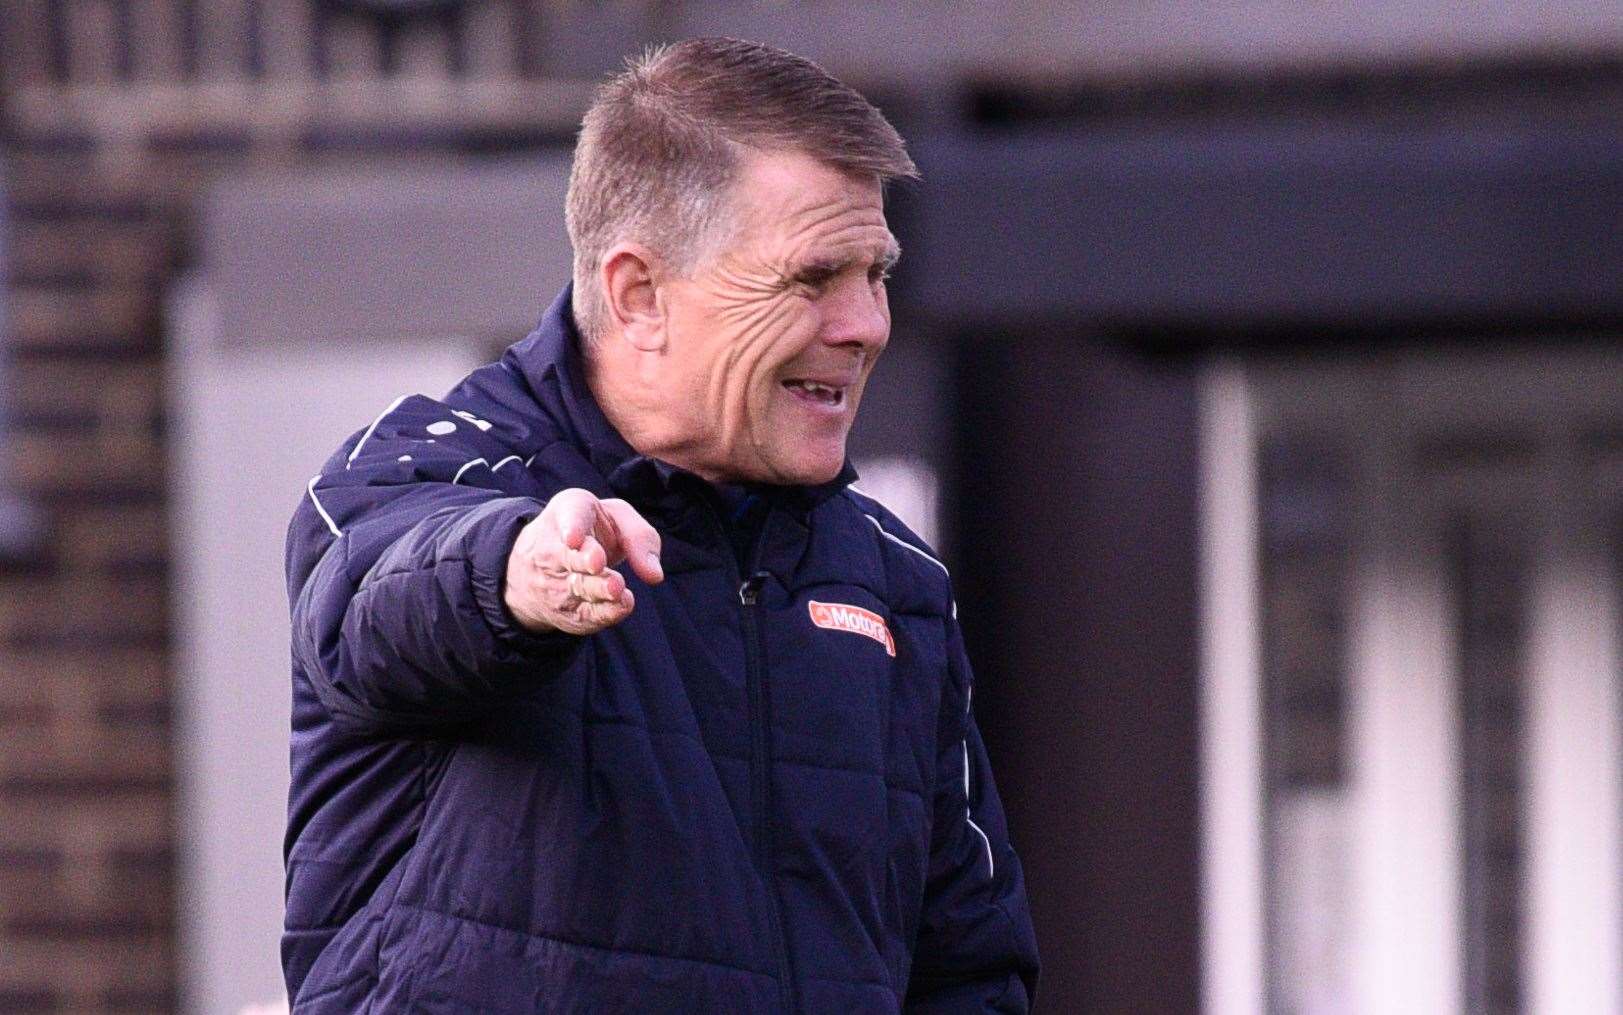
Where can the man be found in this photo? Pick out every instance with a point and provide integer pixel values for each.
(610, 693)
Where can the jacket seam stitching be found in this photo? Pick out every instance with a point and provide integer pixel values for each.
(578, 944)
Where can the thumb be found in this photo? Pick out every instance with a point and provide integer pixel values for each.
(639, 541)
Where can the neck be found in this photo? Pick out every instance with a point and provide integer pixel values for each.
(634, 403)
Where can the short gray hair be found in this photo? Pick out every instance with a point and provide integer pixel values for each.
(660, 147)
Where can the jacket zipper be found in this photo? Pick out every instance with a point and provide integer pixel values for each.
(760, 709)
(749, 597)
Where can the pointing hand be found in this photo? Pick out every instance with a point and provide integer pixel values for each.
(560, 573)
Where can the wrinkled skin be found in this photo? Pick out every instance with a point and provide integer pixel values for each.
(797, 291)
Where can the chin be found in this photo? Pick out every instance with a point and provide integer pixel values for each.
(808, 471)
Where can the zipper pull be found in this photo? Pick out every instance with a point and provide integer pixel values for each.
(749, 593)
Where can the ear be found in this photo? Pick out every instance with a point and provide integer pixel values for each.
(631, 291)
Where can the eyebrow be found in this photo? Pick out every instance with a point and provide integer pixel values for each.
(834, 265)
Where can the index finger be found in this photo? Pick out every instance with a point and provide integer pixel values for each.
(575, 513)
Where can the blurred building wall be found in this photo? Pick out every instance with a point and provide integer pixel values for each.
(1077, 597)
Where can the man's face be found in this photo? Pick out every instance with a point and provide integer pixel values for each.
(771, 340)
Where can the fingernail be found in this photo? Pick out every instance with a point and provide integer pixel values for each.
(653, 562)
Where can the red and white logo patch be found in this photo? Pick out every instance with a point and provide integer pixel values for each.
(840, 617)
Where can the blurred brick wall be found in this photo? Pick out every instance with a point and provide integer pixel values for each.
(87, 852)
(116, 118)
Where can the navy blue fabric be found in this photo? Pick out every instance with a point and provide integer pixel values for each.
(715, 806)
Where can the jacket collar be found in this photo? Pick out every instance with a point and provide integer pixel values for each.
(553, 365)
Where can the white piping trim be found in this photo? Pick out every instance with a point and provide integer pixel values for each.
(357, 450)
(465, 467)
(311, 487)
(991, 869)
(902, 542)
(504, 461)
(530, 459)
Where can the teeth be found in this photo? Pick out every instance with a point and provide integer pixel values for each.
(820, 391)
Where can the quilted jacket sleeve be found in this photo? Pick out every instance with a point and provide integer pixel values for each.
(976, 950)
(395, 567)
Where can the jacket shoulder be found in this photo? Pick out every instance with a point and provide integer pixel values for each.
(476, 441)
(917, 576)
(481, 434)
(486, 423)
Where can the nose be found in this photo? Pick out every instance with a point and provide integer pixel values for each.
(856, 314)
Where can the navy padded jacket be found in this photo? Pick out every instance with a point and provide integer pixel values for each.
(730, 802)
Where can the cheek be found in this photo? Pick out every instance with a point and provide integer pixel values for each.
(760, 326)
(772, 336)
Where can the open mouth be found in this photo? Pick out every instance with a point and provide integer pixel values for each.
(832, 396)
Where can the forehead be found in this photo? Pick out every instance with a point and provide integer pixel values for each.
(789, 201)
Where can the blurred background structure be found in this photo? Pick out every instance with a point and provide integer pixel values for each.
(1258, 366)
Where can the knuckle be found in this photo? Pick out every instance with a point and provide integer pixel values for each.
(573, 501)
